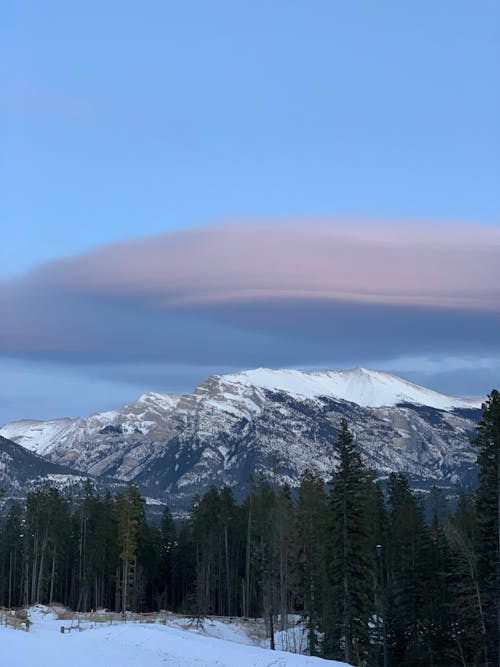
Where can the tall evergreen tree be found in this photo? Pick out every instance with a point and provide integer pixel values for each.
(465, 596)
(488, 512)
(408, 565)
(310, 558)
(11, 555)
(130, 513)
(351, 571)
(168, 546)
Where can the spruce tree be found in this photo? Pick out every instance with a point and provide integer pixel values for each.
(466, 607)
(309, 562)
(168, 546)
(408, 567)
(351, 570)
(11, 551)
(488, 513)
(130, 513)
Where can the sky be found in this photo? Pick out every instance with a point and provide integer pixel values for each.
(191, 188)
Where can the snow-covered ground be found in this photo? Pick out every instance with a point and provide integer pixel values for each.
(177, 644)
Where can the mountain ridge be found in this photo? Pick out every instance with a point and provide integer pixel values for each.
(21, 469)
(371, 388)
(363, 386)
(234, 426)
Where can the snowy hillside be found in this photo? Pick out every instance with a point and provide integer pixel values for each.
(368, 388)
(233, 426)
(136, 418)
(21, 470)
(135, 645)
(237, 393)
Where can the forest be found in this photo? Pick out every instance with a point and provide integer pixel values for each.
(377, 577)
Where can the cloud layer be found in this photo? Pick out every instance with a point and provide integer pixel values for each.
(447, 266)
(263, 294)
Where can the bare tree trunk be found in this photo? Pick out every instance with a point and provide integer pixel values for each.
(34, 568)
(271, 628)
(51, 596)
(467, 552)
(247, 564)
(41, 566)
(124, 587)
(347, 611)
(226, 547)
(117, 590)
(283, 586)
(9, 597)
(26, 579)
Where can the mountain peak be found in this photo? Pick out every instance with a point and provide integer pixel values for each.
(366, 387)
(232, 426)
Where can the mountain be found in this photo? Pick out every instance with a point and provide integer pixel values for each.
(367, 388)
(21, 470)
(279, 422)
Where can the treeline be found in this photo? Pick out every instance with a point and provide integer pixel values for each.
(377, 580)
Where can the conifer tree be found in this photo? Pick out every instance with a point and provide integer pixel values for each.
(264, 552)
(351, 572)
(488, 513)
(310, 558)
(11, 554)
(466, 607)
(168, 546)
(407, 567)
(130, 512)
(230, 546)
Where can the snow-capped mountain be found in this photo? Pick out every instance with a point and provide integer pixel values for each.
(232, 426)
(21, 470)
(368, 388)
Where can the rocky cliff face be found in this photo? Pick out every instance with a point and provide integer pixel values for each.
(22, 471)
(278, 422)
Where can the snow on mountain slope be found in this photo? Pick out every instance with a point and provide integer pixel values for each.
(36, 435)
(234, 426)
(136, 418)
(364, 387)
(22, 470)
(239, 395)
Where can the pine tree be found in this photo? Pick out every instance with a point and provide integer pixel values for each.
(351, 572)
(437, 625)
(309, 564)
(378, 520)
(168, 546)
(407, 567)
(488, 512)
(466, 607)
(130, 513)
(47, 524)
(262, 553)
(228, 540)
(11, 551)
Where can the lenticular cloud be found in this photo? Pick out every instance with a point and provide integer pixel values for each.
(253, 294)
(445, 266)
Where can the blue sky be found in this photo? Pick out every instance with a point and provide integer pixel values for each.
(124, 119)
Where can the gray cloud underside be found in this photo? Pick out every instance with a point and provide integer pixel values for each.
(277, 332)
(236, 297)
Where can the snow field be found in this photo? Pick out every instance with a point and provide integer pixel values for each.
(139, 645)
(362, 386)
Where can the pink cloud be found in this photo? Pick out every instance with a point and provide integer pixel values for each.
(417, 264)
